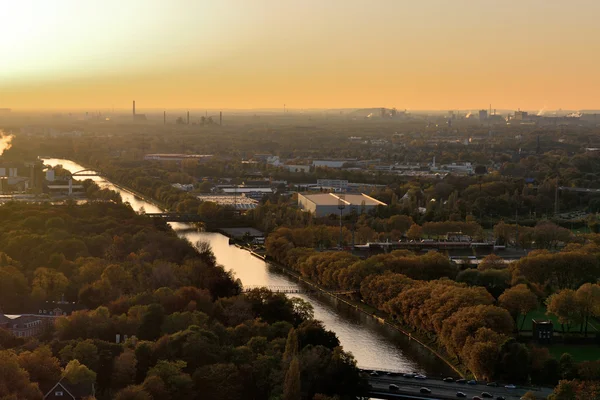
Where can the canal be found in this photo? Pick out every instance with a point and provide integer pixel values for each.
(373, 344)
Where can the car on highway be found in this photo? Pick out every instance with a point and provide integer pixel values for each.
(511, 386)
(448, 379)
(461, 380)
(420, 376)
(493, 384)
(461, 395)
(486, 395)
(476, 398)
(394, 388)
(500, 398)
(392, 374)
(374, 373)
(408, 375)
(425, 390)
(472, 382)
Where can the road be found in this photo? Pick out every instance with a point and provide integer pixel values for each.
(443, 390)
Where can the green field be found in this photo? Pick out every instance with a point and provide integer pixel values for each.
(540, 313)
(579, 352)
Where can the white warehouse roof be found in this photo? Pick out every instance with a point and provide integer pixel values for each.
(333, 199)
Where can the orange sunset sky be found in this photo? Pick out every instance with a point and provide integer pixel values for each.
(415, 54)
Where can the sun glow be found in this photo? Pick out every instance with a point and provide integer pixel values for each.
(263, 53)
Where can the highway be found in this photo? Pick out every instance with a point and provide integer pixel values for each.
(409, 388)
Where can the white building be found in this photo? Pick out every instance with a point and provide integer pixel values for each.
(274, 161)
(297, 168)
(338, 184)
(186, 187)
(330, 163)
(245, 189)
(240, 203)
(9, 172)
(324, 204)
(459, 168)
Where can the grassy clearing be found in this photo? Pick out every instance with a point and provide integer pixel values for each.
(540, 313)
(579, 352)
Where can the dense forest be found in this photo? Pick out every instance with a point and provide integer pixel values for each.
(475, 314)
(190, 331)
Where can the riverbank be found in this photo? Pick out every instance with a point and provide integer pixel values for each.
(381, 317)
(141, 196)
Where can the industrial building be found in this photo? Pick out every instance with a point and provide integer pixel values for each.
(324, 204)
(240, 203)
(330, 163)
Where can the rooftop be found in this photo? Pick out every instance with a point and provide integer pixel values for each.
(332, 199)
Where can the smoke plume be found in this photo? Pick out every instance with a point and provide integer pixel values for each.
(5, 142)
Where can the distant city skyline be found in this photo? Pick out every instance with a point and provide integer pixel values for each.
(261, 54)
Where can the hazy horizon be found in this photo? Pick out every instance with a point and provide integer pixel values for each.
(260, 55)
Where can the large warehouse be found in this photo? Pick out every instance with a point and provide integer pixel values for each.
(323, 204)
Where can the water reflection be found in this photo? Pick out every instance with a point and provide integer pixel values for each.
(373, 344)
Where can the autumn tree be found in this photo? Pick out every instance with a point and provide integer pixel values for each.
(568, 368)
(76, 372)
(415, 232)
(86, 352)
(13, 288)
(219, 382)
(176, 381)
(49, 284)
(41, 365)
(124, 369)
(566, 307)
(292, 387)
(14, 380)
(519, 301)
(291, 346)
(576, 390)
(481, 352)
(491, 261)
(514, 361)
(467, 320)
(133, 392)
(588, 298)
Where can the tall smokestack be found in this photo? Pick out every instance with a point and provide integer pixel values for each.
(188, 117)
(164, 117)
(220, 118)
(134, 108)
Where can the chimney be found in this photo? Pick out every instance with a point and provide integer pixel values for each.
(188, 117)
(220, 118)
(134, 108)
(164, 117)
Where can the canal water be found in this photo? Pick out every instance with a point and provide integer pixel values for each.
(374, 345)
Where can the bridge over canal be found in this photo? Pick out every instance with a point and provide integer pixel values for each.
(294, 289)
(177, 217)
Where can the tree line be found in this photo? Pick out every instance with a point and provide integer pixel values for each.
(185, 327)
(474, 314)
